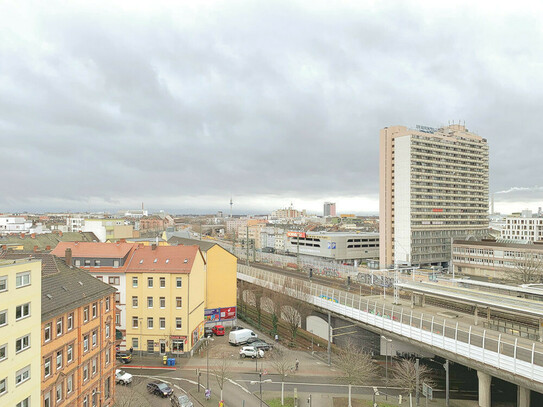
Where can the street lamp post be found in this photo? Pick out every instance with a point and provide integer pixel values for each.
(207, 361)
(386, 363)
(260, 381)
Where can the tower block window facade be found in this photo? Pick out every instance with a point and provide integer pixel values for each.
(433, 188)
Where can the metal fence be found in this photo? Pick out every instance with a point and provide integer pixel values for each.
(506, 352)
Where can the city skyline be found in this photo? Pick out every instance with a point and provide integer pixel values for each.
(183, 107)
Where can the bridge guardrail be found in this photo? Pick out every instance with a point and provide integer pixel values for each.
(506, 352)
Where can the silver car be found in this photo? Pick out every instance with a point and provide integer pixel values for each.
(181, 401)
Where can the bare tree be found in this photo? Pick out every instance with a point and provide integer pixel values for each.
(222, 370)
(295, 306)
(283, 365)
(131, 395)
(272, 305)
(357, 365)
(527, 270)
(404, 374)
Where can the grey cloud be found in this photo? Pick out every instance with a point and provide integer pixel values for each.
(253, 98)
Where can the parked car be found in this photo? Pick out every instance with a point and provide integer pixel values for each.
(236, 328)
(218, 330)
(208, 332)
(260, 344)
(124, 357)
(251, 352)
(181, 401)
(160, 389)
(241, 336)
(123, 377)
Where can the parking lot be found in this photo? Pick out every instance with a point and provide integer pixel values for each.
(136, 395)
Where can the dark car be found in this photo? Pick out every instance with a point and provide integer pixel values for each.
(208, 333)
(160, 389)
(260, 344)
(124, 357)
(181, 401)
(236, 328)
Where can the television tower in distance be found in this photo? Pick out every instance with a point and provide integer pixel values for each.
(231, 203)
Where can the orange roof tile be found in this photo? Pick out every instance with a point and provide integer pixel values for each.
(170, 259)
(94, 249)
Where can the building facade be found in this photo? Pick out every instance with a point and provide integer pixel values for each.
(20, 316)
(165, 291)
(522, 228)
(433, 188)
(497, 260)
(329, 209)
(343, 246)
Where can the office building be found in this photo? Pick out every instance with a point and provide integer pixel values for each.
(329, 209)
(524, 228)
(433, 188)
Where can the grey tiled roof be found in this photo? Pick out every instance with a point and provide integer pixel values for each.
(203, 244)
(69, 289)
(64, 288)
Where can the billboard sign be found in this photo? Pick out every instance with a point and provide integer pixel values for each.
(228, 313)
(296, 234)
(212, 315)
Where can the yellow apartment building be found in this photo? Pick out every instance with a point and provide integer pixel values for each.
(221, 275)
(20, 322)
(165, 299)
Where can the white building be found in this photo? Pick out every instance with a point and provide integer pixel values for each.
(13, 224)
(523, 228)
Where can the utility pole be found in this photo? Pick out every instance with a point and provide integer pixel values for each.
(446, 366)
(247, 241)
(418, 380)
(329, 339)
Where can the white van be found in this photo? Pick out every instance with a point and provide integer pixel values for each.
(240, 336)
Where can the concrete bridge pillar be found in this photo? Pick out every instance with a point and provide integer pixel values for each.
(523, 397)
(540, 329)
(484, 389)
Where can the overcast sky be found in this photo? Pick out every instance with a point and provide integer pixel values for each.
(183, 105)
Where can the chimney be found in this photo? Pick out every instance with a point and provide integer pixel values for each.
(33, 235)
(140, 245)
(48, 248)
(122, 240)
(35, 249)
(153, 246)
(60, 233)
(22, 235)
(68, 257)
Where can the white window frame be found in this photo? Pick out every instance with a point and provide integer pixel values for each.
(22, 307)
(45, 331)
(22, 375)
(59, 358)
(150, 302)
(178, 302)
(4, 312)
(180, 324)
(60, 322)
(108, 329)
(178, 282)
(3, 284)
(94, 310)
(85, 372)
(58, 395)
(108, 305)
(69, 384)
(21, 281)
(47, 366)
(134, 282)
(135, 323)
(21, 340)
(150, 282)
(135, 301)
(162, 323)
(69, 353)
(70, 321)
(94, 339)
(135, 343)
(150, 323)
(86, 343)
(108, 352)
(85, 314)
(94, 366)
(5, 348)
(162, 280)
(4, 382)
(24, 403)
(162, 302)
